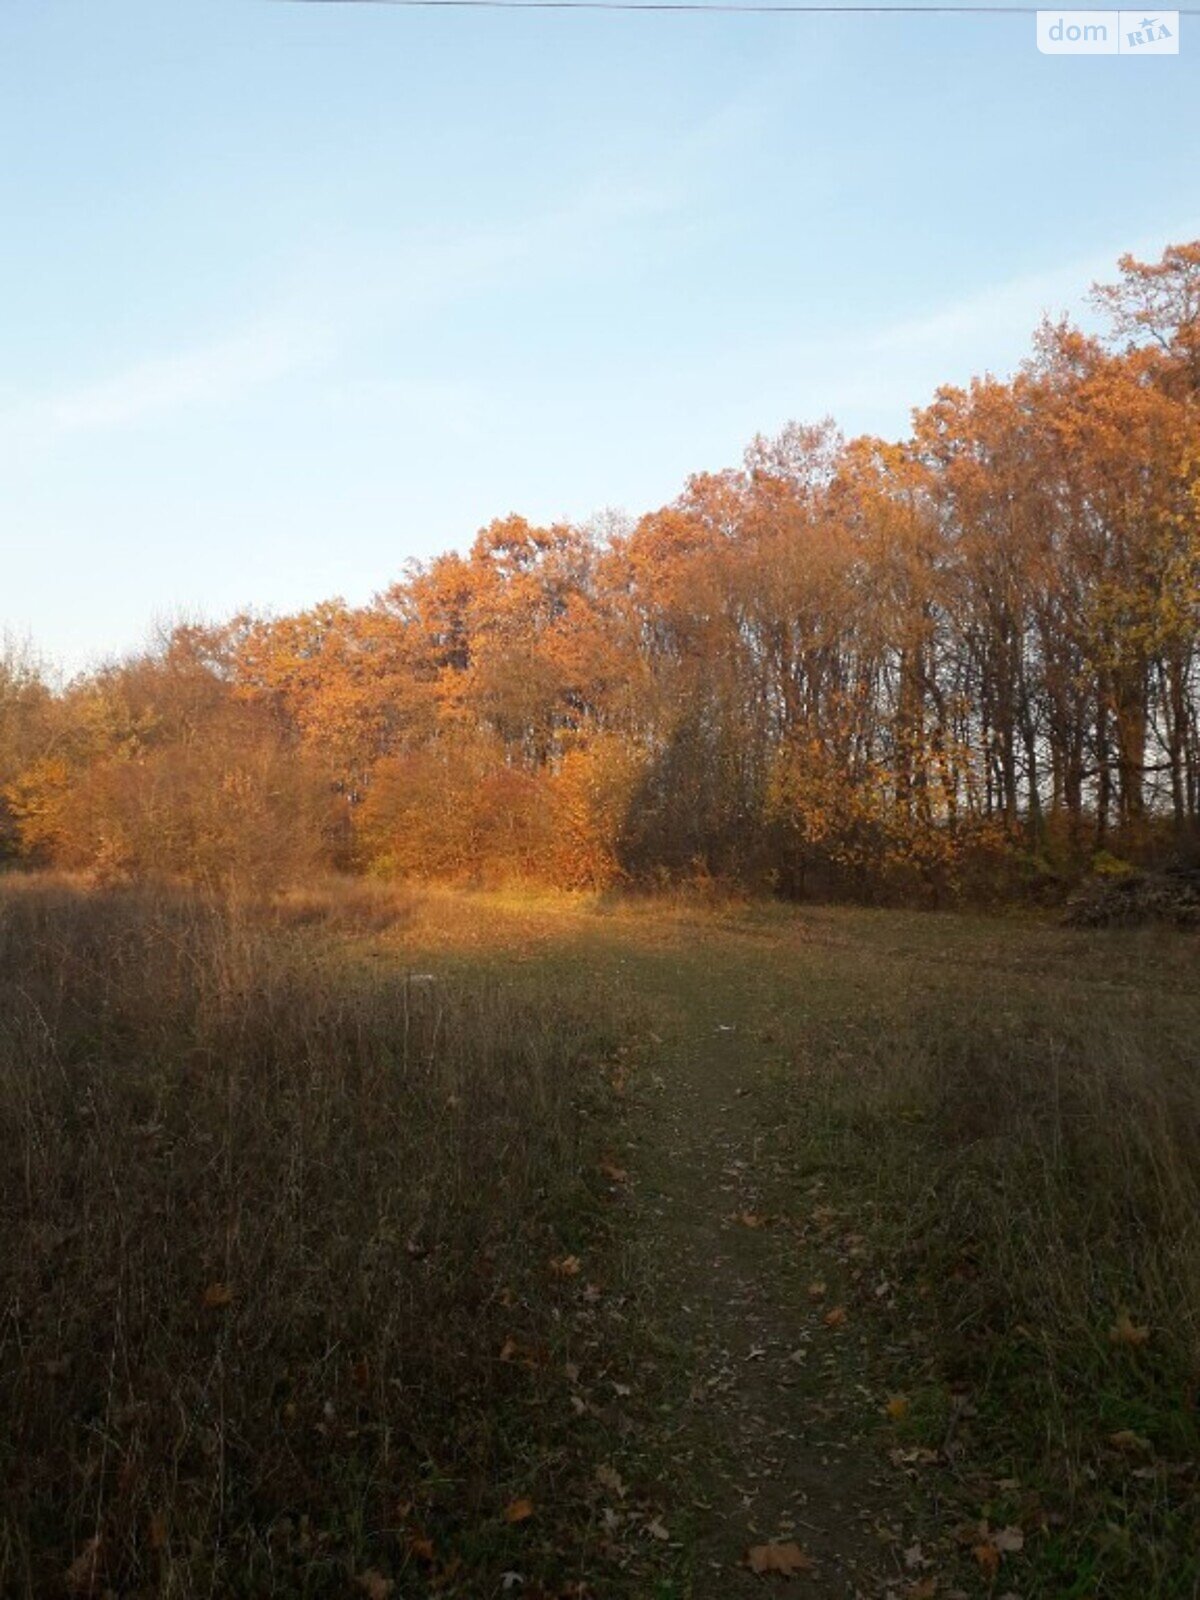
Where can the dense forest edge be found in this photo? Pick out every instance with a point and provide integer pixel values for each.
(959, 667)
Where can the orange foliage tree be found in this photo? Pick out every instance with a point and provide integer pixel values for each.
(848, 666)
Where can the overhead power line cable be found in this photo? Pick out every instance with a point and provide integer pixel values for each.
(761, 7)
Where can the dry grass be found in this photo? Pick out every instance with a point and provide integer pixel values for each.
(346, 905)
(1010, 1110)
(1026, 1155)
(1069, 1137)
(268, 1222)
(380, 1170)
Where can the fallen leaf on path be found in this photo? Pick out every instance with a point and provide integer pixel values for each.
(1126, 1439)
(1125, 1331)
(785, 1558)
(612, 1171)
(750, 1219)
(1009, 1540)
(218, 1295)
(835, 1317)
(657, 1530)
(519, 1510)
(817, 1290)
(567, 1267)
(374, 1585)
(898, 1407)
(82, 1575)
(988, 1557)
(610, 1478)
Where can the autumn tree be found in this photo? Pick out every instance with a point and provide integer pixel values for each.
(26, 736)
(887, 668)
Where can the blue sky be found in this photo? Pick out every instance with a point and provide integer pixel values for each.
(291, 293)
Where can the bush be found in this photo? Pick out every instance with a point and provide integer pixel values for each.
(457, 813)
(1128, 898)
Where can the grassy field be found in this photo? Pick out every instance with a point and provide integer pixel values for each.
(279, 1307)
(473, 1244)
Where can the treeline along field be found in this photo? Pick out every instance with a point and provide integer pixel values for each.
(958, 665)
